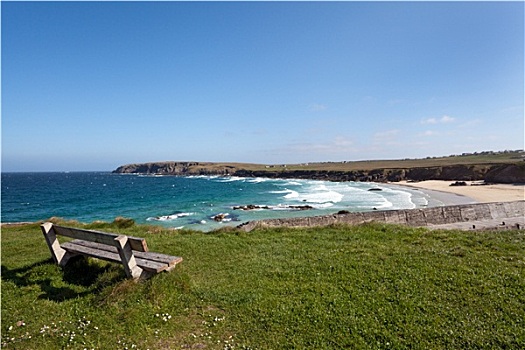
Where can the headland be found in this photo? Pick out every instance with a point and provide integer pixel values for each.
(492, 167)
(473, 187)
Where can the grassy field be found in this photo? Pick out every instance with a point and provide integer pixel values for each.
(480, 160)
(367, 287)
(366, 165)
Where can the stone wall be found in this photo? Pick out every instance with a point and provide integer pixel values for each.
(411, 217)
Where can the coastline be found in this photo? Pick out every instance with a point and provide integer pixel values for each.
(423, 195)
(475, 191)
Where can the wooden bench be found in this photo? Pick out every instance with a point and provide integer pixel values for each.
(132, 252)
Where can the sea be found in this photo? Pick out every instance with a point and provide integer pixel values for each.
(191, 202)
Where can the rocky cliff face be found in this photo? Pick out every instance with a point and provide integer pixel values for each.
(514, 173)
(175, 168)
(507, 173)
(497, 174)
(161, 168)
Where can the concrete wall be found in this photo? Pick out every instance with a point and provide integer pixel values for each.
(411, 217)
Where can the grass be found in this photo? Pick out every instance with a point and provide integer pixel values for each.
(368, 287)
(478, 160)
(481, 160)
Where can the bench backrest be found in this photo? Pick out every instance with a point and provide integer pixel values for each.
(136, 243)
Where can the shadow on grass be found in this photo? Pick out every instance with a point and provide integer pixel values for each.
(80, 277)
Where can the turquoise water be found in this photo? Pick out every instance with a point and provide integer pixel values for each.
(189, 202)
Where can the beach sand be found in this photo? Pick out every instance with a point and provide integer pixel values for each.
(474, 190)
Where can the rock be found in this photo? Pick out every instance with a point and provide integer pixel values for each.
(508, 173)
(219, 217)
(300, 207)
(250, 207)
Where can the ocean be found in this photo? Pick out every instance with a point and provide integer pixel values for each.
(190, 202)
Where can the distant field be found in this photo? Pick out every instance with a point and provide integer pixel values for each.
(367, 287)
(412, 163)
(366, 165)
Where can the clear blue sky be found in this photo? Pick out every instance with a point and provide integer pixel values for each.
(94, 85)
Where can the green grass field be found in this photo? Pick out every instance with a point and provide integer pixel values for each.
(479, 160)
(367, 287)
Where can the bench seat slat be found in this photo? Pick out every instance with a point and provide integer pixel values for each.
(95, 253)
(170, 260)
(112, 255)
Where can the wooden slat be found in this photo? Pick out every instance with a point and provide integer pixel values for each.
(95, 253)
(167, 259)
(157, 257)
(111, 255)
(137, 243)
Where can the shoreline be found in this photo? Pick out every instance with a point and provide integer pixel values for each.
(436, 197)
(475, 191)
(439, 193)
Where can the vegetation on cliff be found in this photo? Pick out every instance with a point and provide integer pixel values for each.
(499, 167)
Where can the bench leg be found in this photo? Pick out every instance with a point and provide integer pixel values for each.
(127, 257)
(60, 256)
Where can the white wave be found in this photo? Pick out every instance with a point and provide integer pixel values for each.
(169, 217)
(322, 197)
(323, 205)
(231, 179)
(321, 187)
(282, 191)
(257, 180)
(420, 201)
(292, 194)
(399, 198)
(290, 183)
(384, 204)
(283, 208)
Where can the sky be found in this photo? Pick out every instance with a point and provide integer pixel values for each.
(90, 86)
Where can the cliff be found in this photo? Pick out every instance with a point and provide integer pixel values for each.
(494, 173)
(176, 168)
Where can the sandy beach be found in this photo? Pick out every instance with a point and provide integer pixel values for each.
(474, 190)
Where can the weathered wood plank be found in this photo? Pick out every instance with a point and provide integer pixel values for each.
(166, 259)
(137, 243)
(127, 257)
(156, 257)
(93, 252)
(131, 252)
(112, 256)
(59, 255)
